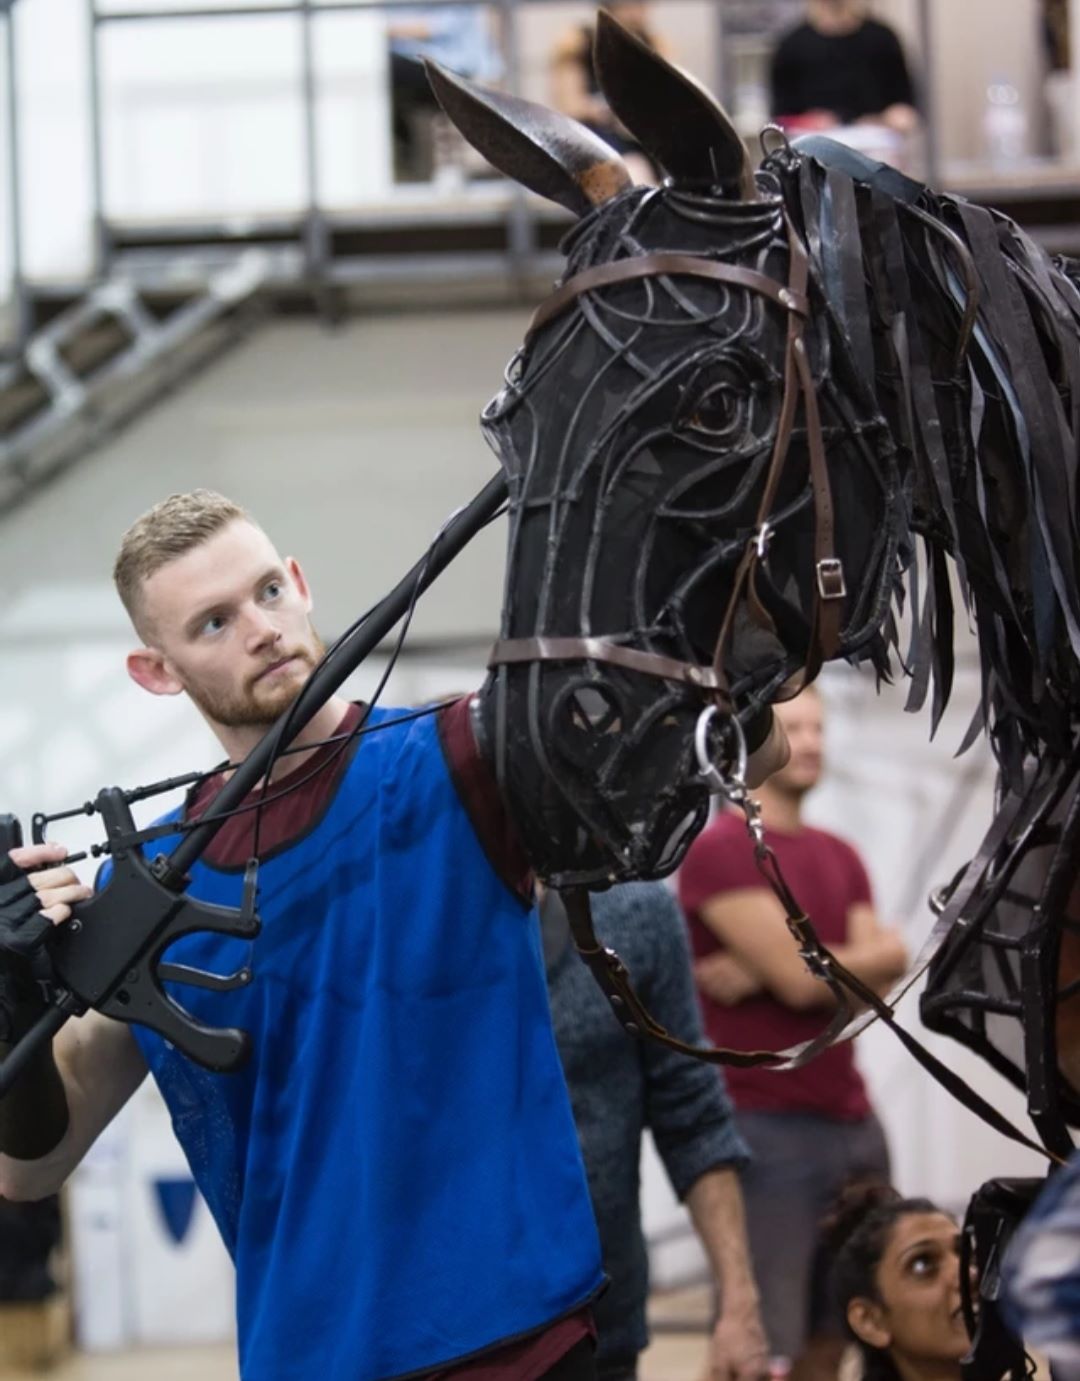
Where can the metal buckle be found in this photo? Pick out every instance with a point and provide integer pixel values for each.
(830, 579)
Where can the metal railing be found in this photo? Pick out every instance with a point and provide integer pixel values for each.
(315, 255)
(520, 215)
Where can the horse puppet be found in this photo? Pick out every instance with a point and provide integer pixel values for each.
(768, 419)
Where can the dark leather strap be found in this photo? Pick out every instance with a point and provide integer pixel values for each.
(601, 650)
(798, 274)
(614, 979)
(663, 265)
(829, 589)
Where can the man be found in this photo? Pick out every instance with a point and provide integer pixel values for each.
(840, 67)
(456, 36)
(618, 1087)
(395, 1172)
(809, 1130)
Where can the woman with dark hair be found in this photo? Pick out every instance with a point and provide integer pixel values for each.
(896, 1276)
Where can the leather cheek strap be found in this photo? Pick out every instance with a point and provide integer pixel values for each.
(614, 979)
(829, 589)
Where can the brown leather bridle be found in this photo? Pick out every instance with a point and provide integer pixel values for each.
(829, 595)
(829, 588)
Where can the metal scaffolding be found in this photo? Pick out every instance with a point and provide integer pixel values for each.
(323, 255)
(508, 236)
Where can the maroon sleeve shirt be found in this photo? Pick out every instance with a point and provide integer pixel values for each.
(828, 878)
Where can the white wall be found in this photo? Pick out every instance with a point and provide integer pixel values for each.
(200, 119)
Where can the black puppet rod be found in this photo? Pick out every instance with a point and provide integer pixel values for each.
(109, 955)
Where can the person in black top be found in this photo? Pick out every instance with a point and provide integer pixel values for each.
(839, 68)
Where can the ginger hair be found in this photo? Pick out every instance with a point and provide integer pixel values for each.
(170, 529)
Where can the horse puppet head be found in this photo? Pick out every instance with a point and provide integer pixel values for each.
(703, 496)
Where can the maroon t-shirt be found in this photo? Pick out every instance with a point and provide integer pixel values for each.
(827, 879)
(294, 803)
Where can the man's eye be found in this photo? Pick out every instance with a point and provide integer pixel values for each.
(214, 624)
(272, 590)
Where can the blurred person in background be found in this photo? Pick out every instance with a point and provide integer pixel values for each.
(620, 1086)
(840, 68)
(1041, 1274)
(896, 1281)
(459, 37)
(576, 92)
(809, 1130)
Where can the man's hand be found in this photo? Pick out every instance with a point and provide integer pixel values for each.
(738, 1350)
(410, 30)
(725, 980)
(58, 888)
(888, 950)
(30, 904)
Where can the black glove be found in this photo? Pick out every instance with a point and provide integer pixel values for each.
(25, 971)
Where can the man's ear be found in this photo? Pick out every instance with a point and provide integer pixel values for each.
(149, 668)
(866, 1319)
(296, 574)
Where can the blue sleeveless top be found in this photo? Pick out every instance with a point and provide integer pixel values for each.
(396, 1172)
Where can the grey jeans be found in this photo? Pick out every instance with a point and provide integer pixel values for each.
(800, 1164)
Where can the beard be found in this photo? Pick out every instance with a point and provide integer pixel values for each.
(260, 704)
(795, 781)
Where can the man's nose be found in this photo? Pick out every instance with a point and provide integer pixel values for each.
(260, 629)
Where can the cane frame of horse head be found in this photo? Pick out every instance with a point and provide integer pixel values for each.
(757, 421)
(613, 684)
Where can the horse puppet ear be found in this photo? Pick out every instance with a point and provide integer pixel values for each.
(549, 153)
(674, 119)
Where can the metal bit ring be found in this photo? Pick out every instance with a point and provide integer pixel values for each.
(732, 779)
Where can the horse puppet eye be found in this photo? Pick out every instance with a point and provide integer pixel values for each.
(721, 403)
(717, 411)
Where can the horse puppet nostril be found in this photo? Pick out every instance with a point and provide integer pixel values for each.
(588, 720)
